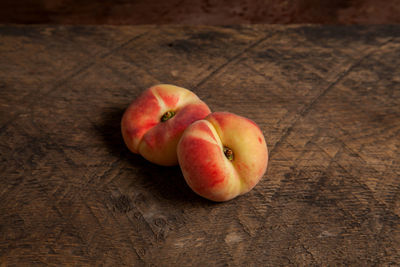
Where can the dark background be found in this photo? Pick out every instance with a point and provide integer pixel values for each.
(212, 12)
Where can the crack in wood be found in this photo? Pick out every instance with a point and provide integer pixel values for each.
(230, 60)
(310, 106)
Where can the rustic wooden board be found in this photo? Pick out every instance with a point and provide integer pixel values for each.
(327, 99)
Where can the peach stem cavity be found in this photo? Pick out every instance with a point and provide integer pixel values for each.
(228, 153)
(167, 115)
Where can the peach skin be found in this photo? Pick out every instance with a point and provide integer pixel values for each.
(222, 156)
(153, 124)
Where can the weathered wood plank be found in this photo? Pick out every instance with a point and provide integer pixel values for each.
(327, 99)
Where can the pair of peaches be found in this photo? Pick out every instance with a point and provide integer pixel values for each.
(221, 155)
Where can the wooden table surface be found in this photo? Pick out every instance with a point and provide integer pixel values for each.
(327, 99)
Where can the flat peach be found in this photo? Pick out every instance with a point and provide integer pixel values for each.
(222, 156)
(153, 124)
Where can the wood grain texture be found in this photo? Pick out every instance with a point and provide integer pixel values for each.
(326, 98)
